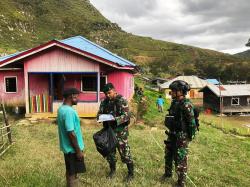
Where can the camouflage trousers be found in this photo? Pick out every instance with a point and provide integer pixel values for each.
(176, 151)
(123, 148)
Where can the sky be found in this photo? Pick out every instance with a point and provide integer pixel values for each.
(221, 25)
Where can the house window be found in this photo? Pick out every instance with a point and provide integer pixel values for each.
(235, 101)
(103, 81)
(10, 84)
(89, 83)
(248, 101)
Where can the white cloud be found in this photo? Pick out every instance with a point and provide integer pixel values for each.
(213, 24)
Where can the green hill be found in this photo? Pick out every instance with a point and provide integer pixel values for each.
(25, 24)
(244, 54)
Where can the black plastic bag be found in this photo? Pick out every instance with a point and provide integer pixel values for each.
(105, 141)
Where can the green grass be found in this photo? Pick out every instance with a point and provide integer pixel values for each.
(152, 117)
(215, 159)
(232, 124)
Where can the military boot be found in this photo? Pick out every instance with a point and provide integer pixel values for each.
(168, 172)
(180, 184)
(130, 175)
(112, 166)
(166, 175)
(181, 180)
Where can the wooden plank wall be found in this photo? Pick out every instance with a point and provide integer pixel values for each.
(60, 60)
(83, 109)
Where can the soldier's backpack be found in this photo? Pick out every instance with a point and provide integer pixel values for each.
(195, 126)
(196, 117)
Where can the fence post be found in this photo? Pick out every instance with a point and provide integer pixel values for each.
(6, 123)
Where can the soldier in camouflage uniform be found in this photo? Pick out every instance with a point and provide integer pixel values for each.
(117, 105)
(181, 130)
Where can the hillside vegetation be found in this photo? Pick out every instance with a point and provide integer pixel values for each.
(25, 24)
(244, 54)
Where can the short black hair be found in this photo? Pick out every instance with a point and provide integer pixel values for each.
(107, 87)
(69, 91)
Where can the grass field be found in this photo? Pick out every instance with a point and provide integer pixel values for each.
(215, 159)
(237, 125)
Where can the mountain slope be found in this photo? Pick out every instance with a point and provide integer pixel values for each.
(25, 24)
(244, 54)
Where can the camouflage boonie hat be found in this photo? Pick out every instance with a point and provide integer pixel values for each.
(107, 87)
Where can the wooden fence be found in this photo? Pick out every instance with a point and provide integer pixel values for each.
(5, 131)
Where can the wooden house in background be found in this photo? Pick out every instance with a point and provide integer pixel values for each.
(36, 78)
(195, 83)
(158, 81)
(227, 99)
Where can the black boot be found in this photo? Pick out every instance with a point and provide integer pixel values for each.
(165, 176)
(181, 180)
(130, 175)
(112, 166)
(179, 184)
(168, 174)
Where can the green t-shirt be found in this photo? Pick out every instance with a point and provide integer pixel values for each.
(68, 120)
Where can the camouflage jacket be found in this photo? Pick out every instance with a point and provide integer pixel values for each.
(183, 112)
(119, 108)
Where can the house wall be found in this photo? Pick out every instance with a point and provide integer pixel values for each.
(243, 101)
(12, 99)
(75, 81)
(60, 60)
(210, 100)
(83, 109)
(243, 107)
(38, 84)
(123, 82)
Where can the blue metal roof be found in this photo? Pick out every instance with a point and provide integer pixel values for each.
(83, 44)
(9, 56)
(213, 81)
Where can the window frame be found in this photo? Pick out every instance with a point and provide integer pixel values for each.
(233, 98)
(248, 101)
(6, 77)
(106, 81)
(84, 91)
(94, 75)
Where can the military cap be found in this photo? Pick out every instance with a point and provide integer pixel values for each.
(108, 87)
(69, 91)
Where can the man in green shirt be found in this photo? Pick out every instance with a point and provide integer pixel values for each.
(70, 136)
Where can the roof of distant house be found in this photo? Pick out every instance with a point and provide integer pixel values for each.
(229, 90)
(213, 81)
(82, 44)
(193, 81)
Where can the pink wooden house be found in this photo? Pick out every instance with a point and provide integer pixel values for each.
(35, 78)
